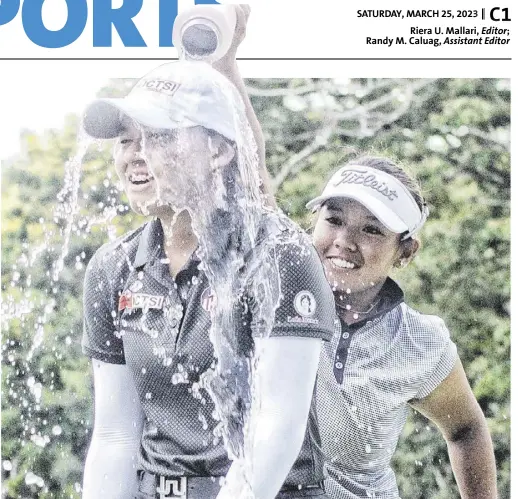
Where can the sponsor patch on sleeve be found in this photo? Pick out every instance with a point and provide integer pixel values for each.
(305, 305)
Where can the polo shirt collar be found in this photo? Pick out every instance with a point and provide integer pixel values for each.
(151, 246)
(151, 243)
(391, 295)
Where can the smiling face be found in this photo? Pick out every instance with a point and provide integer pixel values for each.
(134, 172)
(357, 250)
(163, 169)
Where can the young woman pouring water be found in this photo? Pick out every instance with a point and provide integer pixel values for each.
(161, 301)
(385, 357)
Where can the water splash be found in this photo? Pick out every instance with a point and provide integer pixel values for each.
(65, 220)
(228, 217)
(31, 305)
(228, 225)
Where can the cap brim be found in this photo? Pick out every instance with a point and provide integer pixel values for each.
(104, 118)
(380, 210)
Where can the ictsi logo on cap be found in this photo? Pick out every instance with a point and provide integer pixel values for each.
(167, 87)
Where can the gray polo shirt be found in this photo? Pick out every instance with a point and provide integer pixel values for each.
(367, 375)
(135, 313)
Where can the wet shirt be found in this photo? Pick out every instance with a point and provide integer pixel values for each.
(135, 313)
(367, 375)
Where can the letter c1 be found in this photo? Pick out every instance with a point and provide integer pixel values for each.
(8, 10)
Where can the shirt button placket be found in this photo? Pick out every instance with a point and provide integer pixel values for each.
(341, 354)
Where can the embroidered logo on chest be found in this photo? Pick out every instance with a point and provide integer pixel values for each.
(208, 300)
(129, 300)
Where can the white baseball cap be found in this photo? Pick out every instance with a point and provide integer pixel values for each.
(381, 193)
(174, 95)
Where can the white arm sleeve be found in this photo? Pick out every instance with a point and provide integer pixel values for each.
(285, 378)
(110, 469)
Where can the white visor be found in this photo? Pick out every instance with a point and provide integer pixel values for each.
(382, 194)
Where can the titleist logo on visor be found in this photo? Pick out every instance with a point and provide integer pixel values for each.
(161, 86)
(367, 179)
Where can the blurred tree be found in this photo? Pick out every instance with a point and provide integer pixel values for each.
(453, 133)
(46, 244)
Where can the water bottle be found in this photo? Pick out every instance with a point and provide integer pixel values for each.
(204, 32)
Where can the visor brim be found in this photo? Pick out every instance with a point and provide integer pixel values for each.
(380, 210)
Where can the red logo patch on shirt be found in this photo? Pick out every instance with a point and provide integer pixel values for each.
(125, 300)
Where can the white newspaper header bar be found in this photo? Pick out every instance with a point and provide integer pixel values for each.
(332, 29)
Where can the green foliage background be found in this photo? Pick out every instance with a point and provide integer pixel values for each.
(452, 133)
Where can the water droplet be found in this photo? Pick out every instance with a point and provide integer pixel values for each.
(40, 441)
(33, 479)
(368, 449)
(203, 421)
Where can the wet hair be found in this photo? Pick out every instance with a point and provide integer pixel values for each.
(230, 172)
(226, 229)
(388, 166)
